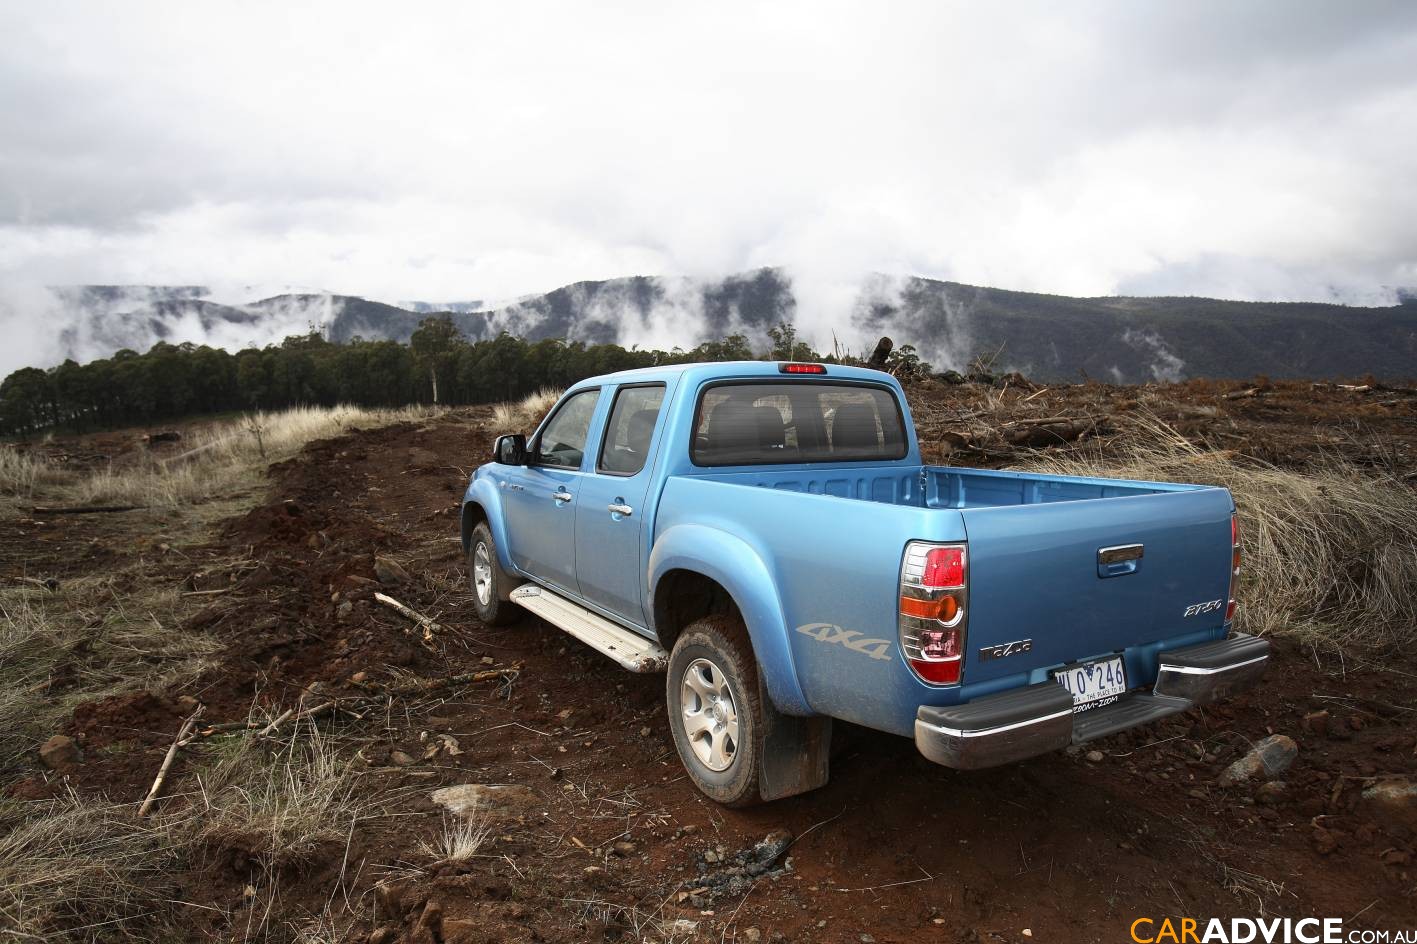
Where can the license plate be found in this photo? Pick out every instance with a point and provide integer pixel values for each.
(1094, 684)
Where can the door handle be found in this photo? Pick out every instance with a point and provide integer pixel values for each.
(620, 508)
(561, 496)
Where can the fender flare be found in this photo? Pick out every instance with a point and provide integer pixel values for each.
(484, 494)
(735, 566)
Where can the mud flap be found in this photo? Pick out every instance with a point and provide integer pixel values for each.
(796, 751)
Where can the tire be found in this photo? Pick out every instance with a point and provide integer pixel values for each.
(713, 656)
(489, 583)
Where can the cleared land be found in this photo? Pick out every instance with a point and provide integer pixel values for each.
(249, 595)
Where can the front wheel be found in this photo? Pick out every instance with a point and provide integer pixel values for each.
(715, 712)
(490, 584)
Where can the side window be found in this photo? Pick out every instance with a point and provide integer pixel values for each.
(562, 443)
(631, 426)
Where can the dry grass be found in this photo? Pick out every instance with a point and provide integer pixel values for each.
(279, 809)
(460, 838)
(524, 416)
(79, 869)
(1330, 552)
(226, 457)
(94, 636)
(22, 472)
(85, 869)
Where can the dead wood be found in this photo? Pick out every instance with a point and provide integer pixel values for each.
(83, 509)
(177, 742)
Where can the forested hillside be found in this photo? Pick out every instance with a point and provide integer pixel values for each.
(437, 365)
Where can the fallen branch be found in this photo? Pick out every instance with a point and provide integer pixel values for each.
(467, 678)
(83, 509)
(177, 742)
(48, 583)
(429, 627)
(276, 722)
(349, 705)
(1045, 421)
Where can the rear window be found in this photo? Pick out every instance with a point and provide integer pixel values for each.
(796, 421)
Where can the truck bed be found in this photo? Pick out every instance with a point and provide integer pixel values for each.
(832, 539)
(943, 486)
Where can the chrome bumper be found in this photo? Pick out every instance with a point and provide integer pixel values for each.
(1010, 726)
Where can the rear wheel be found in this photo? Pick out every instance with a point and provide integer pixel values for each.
(715, 712)
(490, 585)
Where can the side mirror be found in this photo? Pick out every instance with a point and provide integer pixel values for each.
(510, 450)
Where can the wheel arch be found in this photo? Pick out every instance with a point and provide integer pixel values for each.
(697, 570)
(481, 504)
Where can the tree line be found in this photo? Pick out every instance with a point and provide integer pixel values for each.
(438, 365)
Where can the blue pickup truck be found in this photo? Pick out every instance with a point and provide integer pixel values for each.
(767, 534)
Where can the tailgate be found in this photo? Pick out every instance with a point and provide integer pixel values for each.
(1034, 573)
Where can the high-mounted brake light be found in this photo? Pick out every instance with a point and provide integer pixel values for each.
(1231, 606)
(801, 369)
(933, 595)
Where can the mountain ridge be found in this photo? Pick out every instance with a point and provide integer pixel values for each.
(1051, 337)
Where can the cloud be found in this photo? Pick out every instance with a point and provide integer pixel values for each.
(1258, 150)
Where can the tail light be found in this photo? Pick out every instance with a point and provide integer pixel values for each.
(934, 590)
(1234, 565)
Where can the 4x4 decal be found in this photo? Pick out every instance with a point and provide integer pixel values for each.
(850, 638)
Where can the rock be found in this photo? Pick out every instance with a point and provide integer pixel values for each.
(430, 922)
(383, 935)
(60, 751)
(1324, 840)
(683, 926)
(1095, 757)
(402, 758)
(344, 610)
(1395, 798)
(711, 857)
(1316, 723)
(752, 935)
(502, 801)
(625, 849)
(1272, 792)
(1266, 760)
(389, 571)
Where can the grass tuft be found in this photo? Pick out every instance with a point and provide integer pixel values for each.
(525, 415)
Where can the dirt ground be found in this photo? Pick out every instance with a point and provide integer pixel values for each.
(597, 833)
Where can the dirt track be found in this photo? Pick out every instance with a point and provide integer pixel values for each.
(1062, 848)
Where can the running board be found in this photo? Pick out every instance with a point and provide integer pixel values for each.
(631, 650)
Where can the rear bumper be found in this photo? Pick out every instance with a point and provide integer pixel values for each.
(1025, 722)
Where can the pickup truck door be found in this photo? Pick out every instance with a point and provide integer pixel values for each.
(540, 500)
(610, 513)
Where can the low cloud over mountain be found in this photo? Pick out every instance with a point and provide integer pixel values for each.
(1057, 337)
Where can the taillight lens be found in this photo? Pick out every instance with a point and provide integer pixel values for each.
(934, 582)
(1234, 565)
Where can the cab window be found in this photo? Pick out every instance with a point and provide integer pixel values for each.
(562, 442)
(631, 427)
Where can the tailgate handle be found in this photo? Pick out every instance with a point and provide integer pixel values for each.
(1119, 560)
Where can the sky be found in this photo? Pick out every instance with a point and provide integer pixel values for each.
(1253, 150)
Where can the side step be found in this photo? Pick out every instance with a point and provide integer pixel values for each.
(631, 650)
